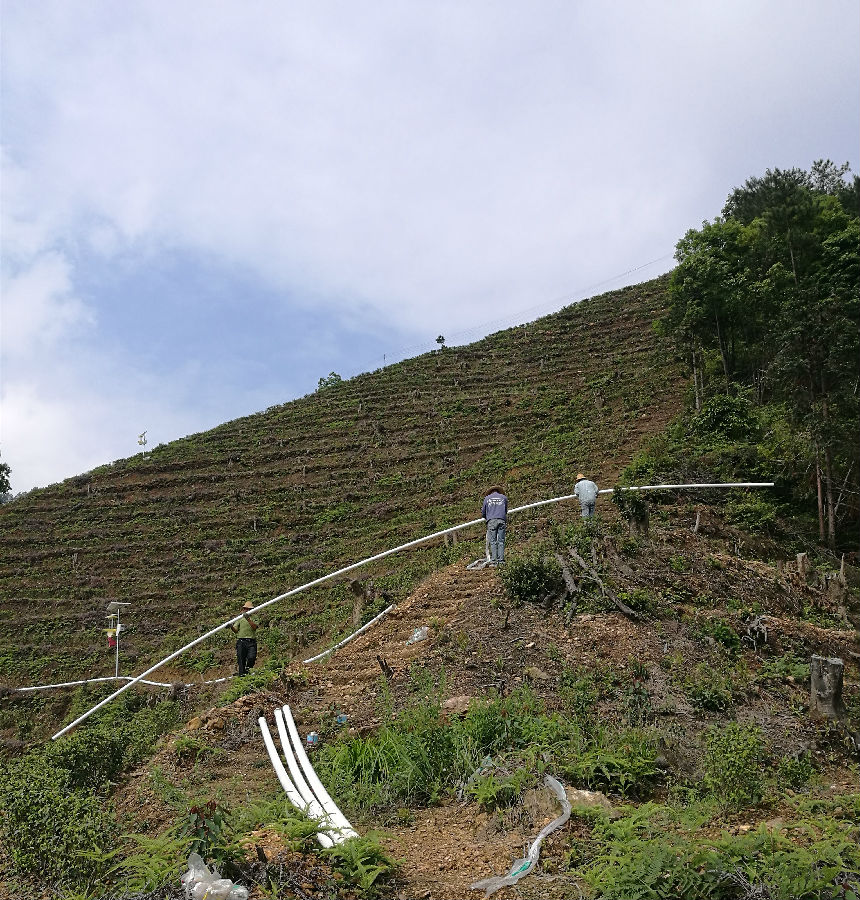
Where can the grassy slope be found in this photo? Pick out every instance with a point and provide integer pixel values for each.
(266, 502)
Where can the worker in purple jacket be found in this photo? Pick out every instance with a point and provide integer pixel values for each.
(495, 511)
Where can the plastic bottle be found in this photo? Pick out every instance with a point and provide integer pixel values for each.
(237, 892)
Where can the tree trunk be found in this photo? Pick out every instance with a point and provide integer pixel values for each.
(722, 349)
(825, 698)
(696, 384)
(820, 494)
(828, 490)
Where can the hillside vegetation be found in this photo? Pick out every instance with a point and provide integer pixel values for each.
(657, 660)
(267, 502)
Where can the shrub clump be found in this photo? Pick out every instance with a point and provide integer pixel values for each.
(531, 579)
(55, 815)
(733, 764)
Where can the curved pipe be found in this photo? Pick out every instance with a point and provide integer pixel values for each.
(336, 574)
(345, 830)
(311, 804)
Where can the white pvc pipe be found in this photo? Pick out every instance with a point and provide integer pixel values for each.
(167, 684)
(336, 574)
(289, 788)
(317, 581)
(355, 634)
(311, 805)
(647, 487)
(345, 830)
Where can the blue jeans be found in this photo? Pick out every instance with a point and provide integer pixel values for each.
(496, 539)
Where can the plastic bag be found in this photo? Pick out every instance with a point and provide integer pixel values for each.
(521, 867)
(197, 872)
(419, 634)
(201, 884)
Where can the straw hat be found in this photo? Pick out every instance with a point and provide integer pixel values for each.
(580, 476)
(248, 605)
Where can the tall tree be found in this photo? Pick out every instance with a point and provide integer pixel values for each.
(5, 484)
(774, 286)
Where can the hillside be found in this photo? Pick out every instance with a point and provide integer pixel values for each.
(682, 732)
(270, 501)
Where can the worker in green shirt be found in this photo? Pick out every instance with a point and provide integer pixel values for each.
(246, 643)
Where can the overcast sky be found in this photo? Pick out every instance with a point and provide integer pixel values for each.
(207, 206)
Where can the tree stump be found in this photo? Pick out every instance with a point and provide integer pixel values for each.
(358, 601)
(640, 523)
(803, 566)
(826, 688)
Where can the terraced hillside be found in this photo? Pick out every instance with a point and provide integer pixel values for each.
(267, 502)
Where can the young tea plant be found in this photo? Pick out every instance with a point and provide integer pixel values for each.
(734, 756)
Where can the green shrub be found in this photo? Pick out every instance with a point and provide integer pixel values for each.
(720, 631)
(622, 761)
(633, 506)
(781, 667)
(651, 854)
(752, 513)
(49, 826)
(251, 683)
(578, 693)
(530, 579)
(55, 819)
(492, 791)
(639, 600)
(199, 661)
(794, 772)
(724, 418)
(734, 756)
(710, 688)
(147, 863)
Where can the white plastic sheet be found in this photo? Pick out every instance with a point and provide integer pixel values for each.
(521, 867)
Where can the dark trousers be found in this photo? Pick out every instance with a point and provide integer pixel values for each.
(246, 654)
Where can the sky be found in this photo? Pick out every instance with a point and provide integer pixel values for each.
(207, 205)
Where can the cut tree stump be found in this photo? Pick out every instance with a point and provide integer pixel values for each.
(826, 687)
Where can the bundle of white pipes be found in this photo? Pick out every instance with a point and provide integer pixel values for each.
(339, 573)
(302, 785)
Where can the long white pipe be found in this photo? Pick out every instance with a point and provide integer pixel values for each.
(345, 830)
(289, 788)
(355, 634)
(311, 804)
(332, 575)
(63, 684)
(650, 487)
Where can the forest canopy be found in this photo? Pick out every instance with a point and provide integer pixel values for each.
(770, 289)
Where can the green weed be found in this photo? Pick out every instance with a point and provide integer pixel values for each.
(651, 853)
(364, 863)
(734, 756)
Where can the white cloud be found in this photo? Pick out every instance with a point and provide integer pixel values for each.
(39, 309)
(431, 167)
